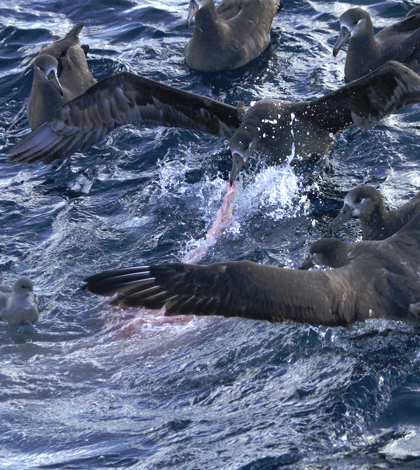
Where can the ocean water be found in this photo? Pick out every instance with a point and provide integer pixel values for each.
(91, 386)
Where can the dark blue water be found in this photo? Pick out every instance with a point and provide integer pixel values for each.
(96, 387)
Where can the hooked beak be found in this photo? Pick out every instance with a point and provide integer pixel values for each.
(308, 263)
(342, 39)
(52, 77)
(237, 163)
(344, 215)
(192, 10)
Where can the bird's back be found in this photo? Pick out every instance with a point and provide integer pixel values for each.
(400, 41)
(75, 76)
(238, 33)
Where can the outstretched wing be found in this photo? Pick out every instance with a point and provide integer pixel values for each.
(241, 289)
(368, 100)
(121, 99)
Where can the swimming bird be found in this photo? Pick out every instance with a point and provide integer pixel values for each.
(330, 252)
(229, 36)
(61, 73)
(287, 130)
(377, 223)
(367, 52)
(18, 306)
(366, 203)
(380, 280)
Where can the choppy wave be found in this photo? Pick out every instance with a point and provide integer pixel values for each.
(90, 386)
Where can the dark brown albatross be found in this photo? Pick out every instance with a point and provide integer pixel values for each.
(229, 36)
(367, 52)
(294, 130)
(366, 203)
(61, 73)
(381, 280)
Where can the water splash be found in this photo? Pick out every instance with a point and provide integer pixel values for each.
(274, 194)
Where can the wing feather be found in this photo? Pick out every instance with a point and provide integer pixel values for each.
(121, 99)
(368, 100)
(241, 289)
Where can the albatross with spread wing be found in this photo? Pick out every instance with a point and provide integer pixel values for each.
(380, 279)
(299, 129)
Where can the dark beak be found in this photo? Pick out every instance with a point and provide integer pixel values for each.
(308, 263)
(344, 215)
(237, 163)
(342, 39)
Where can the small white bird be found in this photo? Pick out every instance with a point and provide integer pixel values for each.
(18, 305)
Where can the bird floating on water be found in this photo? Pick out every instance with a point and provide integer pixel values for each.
(367, 51)
(17, 305)
(229, 36)
(61, 73)
(366, 203)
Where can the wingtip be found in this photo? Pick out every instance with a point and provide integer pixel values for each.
(84, 286)
(75, 31)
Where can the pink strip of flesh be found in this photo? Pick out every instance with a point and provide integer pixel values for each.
(222, 222)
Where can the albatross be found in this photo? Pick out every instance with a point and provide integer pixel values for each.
(367, 204)
(380, 280)
(61, 73)
(367, 52)
(229, 36)
(330, 252)
(288, 130)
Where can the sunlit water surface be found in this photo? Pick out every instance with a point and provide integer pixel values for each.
(91, 386)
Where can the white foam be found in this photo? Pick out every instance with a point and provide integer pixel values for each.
(273, 194)
(172, 176)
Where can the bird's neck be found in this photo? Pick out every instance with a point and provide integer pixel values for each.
(206, 20)
(364, 40)
(44, 101)
(375, 226)
(48, 91)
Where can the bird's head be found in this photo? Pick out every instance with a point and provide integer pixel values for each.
(45, 68)
(353, 22)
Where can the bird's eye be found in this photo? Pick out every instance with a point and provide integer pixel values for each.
(358, 200)
(356, 22)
